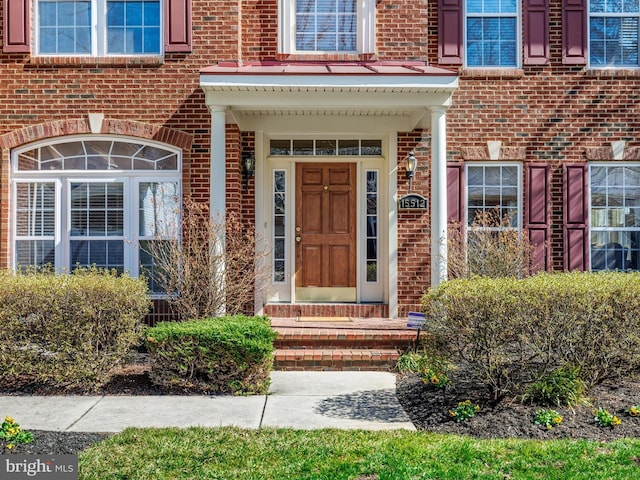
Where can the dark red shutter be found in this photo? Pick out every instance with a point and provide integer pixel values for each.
(450, 32)
(537, 214)
(16, 26)
(576, 226)
(177, 36)
(455, 192)
(574, 32)
(536, 32)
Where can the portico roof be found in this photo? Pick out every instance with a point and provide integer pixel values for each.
(287, 93)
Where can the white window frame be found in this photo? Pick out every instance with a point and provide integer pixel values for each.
(366, 24)
(63, 180)
(519, 186)
(518, 46)
(98, 34)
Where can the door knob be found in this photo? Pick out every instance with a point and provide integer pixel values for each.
(298, 238)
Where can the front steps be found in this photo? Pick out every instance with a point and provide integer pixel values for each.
(358, 344)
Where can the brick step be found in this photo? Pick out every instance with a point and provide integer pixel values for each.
(342, 338)
(356, 310)
(336, 359)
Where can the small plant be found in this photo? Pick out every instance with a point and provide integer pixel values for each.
(547, 418)
(634, 411)
(431, 368)
(464, 411)
(605, 419)
(12, 434)
(561, 387)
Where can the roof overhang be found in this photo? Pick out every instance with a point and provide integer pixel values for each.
(279, 96)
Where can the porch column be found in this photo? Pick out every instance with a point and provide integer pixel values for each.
(217, 167)
(438, 195)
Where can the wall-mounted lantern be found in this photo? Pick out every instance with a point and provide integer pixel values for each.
(249, 167)
(411, 166)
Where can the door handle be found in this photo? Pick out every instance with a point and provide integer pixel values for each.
(298, 238)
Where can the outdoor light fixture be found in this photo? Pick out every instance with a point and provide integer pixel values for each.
(411, 165)
(249, 166)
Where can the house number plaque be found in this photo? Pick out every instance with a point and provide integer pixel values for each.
(413, 201)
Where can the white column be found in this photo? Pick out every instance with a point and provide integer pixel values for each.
(218, 193)
(217, 167)
(438, 196)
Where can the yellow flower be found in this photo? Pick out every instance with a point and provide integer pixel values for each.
(8, 419)
(616, 421)
(10, 446)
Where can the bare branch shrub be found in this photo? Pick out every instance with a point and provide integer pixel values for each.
(215, 267)
(490, 247)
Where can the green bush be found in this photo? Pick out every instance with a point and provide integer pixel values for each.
(232, 354)
(67, 330)
(562, 387)
(513, 331)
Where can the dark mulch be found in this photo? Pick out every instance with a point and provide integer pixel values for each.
(428, 409)
(426, 406)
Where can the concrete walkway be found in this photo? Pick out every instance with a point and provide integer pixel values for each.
(301, 400)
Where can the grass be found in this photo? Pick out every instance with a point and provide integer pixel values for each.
(233, 453)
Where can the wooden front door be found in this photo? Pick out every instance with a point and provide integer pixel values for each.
(325, 232)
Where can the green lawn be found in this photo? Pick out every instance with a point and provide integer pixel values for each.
(232, 453)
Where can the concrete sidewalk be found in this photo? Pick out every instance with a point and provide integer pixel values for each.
(302, 400)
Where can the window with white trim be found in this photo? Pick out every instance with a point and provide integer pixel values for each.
(492, 30)
(326, 26)
(494, 190)
(98, 27)
(83, 202)
(615, 216)
(613, 33)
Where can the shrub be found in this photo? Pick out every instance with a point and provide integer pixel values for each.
(217, 266)
(68, 330)
(232, 354)
(562, 387)
(513, 331)
(487, 251)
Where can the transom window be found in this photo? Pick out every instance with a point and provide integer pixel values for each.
(98, 27)
(85, 202)
(615, 217)
(494, 191)
(320, 26)
(492, 32)
(613, 33)
(329, 147)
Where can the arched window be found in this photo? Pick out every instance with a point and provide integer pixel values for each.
(82, 201)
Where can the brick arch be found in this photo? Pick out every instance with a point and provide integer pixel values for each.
(109, 126)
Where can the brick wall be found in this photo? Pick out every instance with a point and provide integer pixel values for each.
(554, 112)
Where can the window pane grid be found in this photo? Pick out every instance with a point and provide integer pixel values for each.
(97, 155)
(35, 224)
(615, 217)
(326, 147)
(130, 27)
(326, 25)
(493, 191)
(613, 33)
(372, 237)
(491, 33)
(279, 226)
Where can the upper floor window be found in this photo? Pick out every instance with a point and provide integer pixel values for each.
(326, 26)
(613, 33)
(98, 27)
(492, 33)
